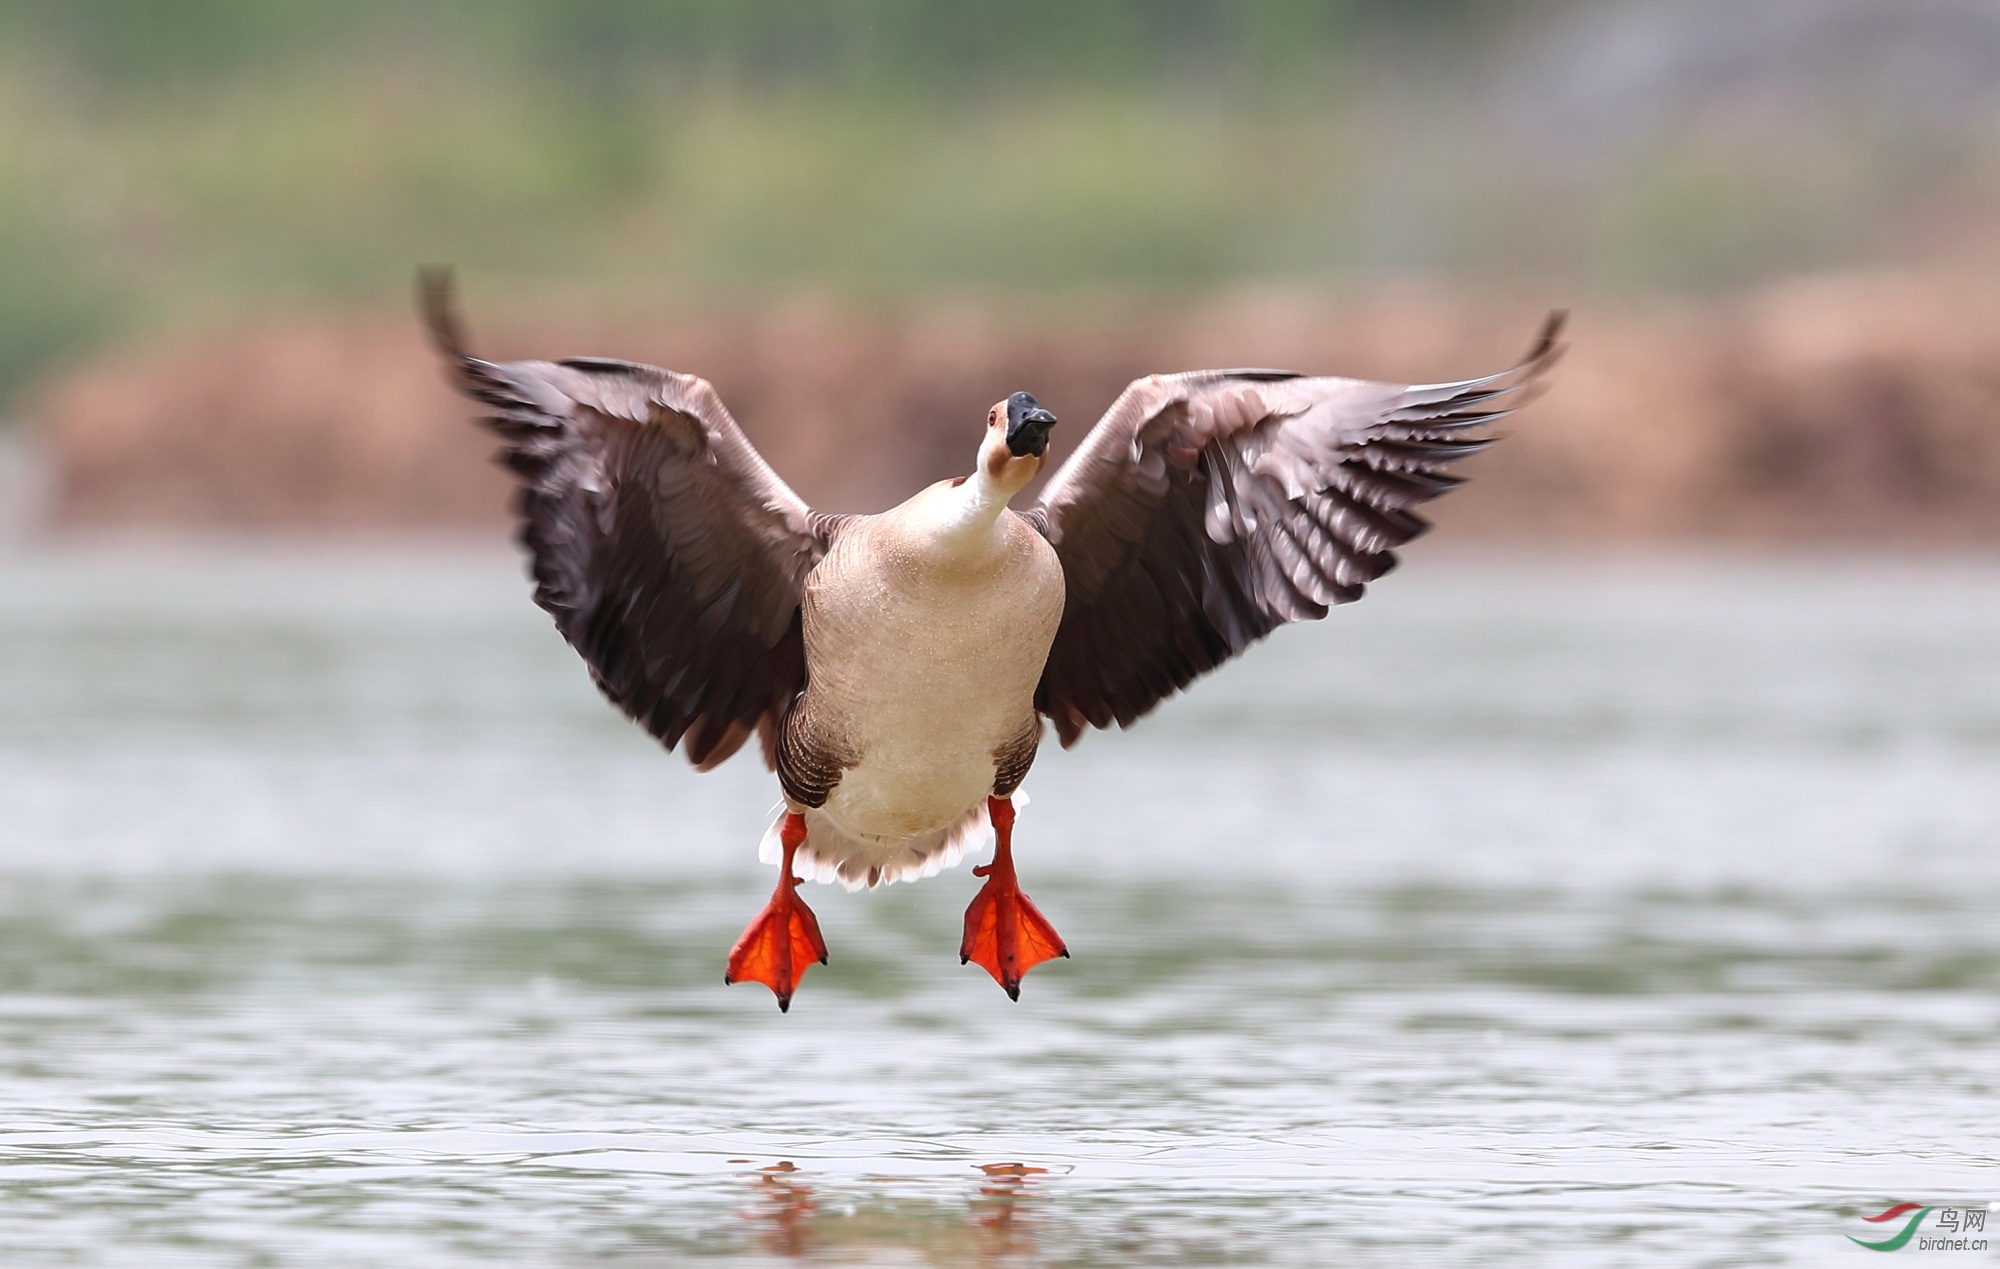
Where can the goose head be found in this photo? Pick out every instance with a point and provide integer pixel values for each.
(1016, 442)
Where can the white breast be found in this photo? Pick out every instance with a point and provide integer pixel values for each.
(927, 656)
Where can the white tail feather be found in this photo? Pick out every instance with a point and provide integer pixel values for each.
(832, 853)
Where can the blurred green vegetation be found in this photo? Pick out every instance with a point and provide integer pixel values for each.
(166, 164)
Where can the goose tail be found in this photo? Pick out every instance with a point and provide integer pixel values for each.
(859, 862)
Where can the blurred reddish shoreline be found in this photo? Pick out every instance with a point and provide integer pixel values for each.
(1857, 409)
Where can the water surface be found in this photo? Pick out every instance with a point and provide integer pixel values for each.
(1587, 912)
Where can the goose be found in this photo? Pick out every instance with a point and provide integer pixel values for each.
(898, 669)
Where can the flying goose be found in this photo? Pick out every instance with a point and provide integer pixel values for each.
(897, 668)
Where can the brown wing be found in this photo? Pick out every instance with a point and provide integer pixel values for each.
(669, 553)
(1207, 509)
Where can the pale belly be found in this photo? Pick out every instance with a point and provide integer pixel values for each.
(934, 672)
(891, 798)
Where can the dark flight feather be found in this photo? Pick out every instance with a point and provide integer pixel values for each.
(669, 553)
(1207, 509)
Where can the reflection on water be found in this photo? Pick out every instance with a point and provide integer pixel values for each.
(1529, 907)
(786, 1210)
(995, 1226)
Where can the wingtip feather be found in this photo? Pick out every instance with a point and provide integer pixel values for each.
(435, 285)
(1548, 347)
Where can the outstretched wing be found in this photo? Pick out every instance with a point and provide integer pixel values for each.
(1207, 509)
(669, 553)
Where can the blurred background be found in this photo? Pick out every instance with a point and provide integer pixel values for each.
(1613, 885)
(1777, 222)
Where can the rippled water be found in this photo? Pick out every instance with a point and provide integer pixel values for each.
(1532, 910)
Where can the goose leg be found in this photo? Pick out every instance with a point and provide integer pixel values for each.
(1003, 931)
(783, 942)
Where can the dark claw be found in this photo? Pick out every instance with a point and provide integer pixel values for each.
(1014, 992)
(785, 1005)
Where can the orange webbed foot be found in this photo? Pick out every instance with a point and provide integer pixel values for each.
(780, 945)
(1005, 934)
(784, 940)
